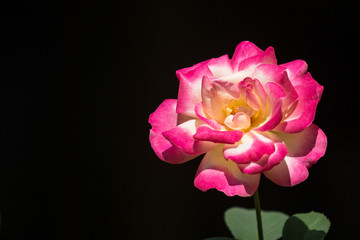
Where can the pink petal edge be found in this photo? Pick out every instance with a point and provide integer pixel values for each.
(163, 119)
(216, 172)
(205, 133)
(305, 148)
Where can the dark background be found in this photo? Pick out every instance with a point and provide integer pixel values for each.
(79, 80)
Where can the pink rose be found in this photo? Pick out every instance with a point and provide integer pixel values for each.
(248, 115)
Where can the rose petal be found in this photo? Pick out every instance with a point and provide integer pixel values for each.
(295, 68)
(288, 173)
(243, 51)
(303, 113)
(216, 94)
(305, 148)
(273, 113)
(238, 121)
(277, 74)
(211, 103)
(202, 116)
(237, 77)
(267, 57)
(166, 151)
(251, 148)
(226, 90)
(266, 162)
(215, 172)
(163, 119)
(220, 66)
(205, 133)
(246, 89)
(308, 145)
(182, 136)
(190, 87)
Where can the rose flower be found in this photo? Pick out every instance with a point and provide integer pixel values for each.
(248, 115)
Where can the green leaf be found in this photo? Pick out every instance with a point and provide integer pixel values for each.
(306, 226)
(243, 226)
(219, 238)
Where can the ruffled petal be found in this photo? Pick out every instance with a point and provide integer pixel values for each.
(163, 119)
(251, 148)
(246, 88)
(288, 173)
(305, 148)
(267, 57)
(190, 87)
(302, 114)
(216, 94)
(216, 172)
(243, 51)
(202, 116)
(273, 114)
(220, 66)
(166, 151)
(277, 74)
(255, 87)
(295, 68)
(266, 162)
(238, 121)
(182, 136)
(225, 90)
(237, 77)
(205, 133)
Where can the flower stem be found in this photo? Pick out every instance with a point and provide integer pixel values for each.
(258, 215)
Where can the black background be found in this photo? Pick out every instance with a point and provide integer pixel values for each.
(79, 80)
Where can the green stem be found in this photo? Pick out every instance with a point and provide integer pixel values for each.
(258, 215)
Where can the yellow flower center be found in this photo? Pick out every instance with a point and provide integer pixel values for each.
(239, 115)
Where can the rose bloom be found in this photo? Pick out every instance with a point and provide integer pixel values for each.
(248, 115)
